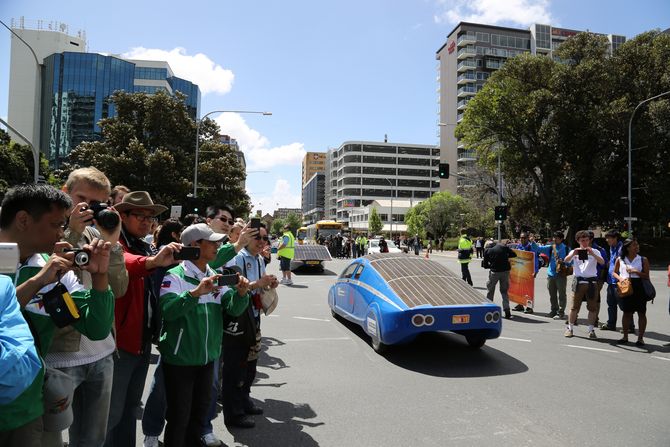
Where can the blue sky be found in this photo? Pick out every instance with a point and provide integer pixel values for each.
(328, 71)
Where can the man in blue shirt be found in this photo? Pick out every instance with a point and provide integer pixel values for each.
(614, 243)
(556, 281)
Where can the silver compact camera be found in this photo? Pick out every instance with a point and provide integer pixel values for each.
(9, 258)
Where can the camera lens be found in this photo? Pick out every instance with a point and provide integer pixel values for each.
(81, 258)
(107, 219)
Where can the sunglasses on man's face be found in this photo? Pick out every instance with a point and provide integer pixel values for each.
(225, 219)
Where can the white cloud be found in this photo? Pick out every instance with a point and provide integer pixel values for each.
(198, 68)
(281, 197)
(257, 150)
(492, 12)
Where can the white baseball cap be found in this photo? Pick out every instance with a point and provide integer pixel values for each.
(199, 232)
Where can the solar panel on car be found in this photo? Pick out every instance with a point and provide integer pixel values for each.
(418, 281)
(313, 252)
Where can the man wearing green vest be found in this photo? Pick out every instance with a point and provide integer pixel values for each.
(465, 255)
(362, 245)
(285, 253)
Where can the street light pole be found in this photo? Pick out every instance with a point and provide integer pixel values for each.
(197, 141)
(630, 159)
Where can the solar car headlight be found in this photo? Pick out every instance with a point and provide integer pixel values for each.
(418, 320)
(496, 316)
(428, 320)
(488, 317)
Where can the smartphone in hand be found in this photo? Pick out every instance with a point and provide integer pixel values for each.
(583, 255)
(187, 254)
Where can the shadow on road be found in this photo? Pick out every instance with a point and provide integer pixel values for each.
(446, 355)
(310, 271)
(282, 424)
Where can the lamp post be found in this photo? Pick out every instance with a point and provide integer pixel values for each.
(197, 141)
(38, 102)
(499, 169)
(630, 159)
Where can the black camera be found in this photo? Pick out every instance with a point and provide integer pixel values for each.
(229, 276)
(81, 256)
(106, 218)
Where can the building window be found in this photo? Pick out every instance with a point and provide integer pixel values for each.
(482, 37)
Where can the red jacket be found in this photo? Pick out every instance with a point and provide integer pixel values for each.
(129, 310)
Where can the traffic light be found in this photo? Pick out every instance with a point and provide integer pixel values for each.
(500, 213)
(444, 170)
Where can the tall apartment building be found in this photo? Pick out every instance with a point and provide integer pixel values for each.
(312, 163)
(470, 55)
(59, 99)
(314, 198)
(232, 142)
(359, 172)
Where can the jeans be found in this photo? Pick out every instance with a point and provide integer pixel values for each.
(153, 419)
(211, 412)
(130, 372)
(557, 285)
(465, 272)
(494, 278)
(90, 405)
(188, 390)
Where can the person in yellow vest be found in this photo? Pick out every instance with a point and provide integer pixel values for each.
(465, 255)
(285, 252)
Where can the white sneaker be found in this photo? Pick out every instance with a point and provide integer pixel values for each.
(151, 441)
(210, 440)
(289, 282)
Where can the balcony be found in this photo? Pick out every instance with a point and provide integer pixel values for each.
(468, 64)
(468, 51)
(466, 155)
(460, 105)
(466, 78)
(465, 39)
(459, 117)
(468, 90)
(494, 65)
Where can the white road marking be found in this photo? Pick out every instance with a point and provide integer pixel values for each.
(272, 315)
(311, 319)
(274, 421)
(515, 339)
(592, 349)
(317, 339)
(661, 358)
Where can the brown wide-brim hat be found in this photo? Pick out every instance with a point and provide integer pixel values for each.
(139, 200)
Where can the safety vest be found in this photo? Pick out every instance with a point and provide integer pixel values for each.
(464, 250)
(289, 250)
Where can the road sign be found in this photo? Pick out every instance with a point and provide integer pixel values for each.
(632, 219)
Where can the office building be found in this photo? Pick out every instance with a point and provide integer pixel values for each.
(313, 199)
(470, 55)
(312, 163)
(232, 142)
(359, 172)
(282, 213)
(60, 102)
(360, 217)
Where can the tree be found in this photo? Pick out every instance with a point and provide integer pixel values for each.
(375, 224)
(278, 226)
(561, 131)
(150, 145)
(294, 222)
(16, 164)
(437, 214)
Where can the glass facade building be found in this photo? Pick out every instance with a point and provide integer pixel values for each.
(76, 93)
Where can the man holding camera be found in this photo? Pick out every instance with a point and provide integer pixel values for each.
(89, 363)
(33, 216)
(585, 285)
(137, 317)
(192, 303)
(239, 357)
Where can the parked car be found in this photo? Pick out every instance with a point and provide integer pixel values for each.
(394, 298)
(373, 246)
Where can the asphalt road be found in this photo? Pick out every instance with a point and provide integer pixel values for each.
(321, 384)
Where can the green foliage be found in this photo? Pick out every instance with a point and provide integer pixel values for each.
(150, 145)
(375, 224)
(278, 226)
(444, 213)
(561, 129)
(16, 164)
(294, 222)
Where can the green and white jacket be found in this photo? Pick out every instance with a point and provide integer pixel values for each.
(193, 327)
(96, 310)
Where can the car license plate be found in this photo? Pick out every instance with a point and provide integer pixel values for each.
(312, 262)
(460, 319)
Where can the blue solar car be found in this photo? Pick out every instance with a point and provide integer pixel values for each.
(394, 297)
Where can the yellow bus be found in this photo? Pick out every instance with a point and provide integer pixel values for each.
(323, 229)
(302, 235)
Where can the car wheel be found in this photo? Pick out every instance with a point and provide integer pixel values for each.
(475, 341)
(375, 340)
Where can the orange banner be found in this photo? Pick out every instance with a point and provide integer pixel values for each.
(522, 278)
